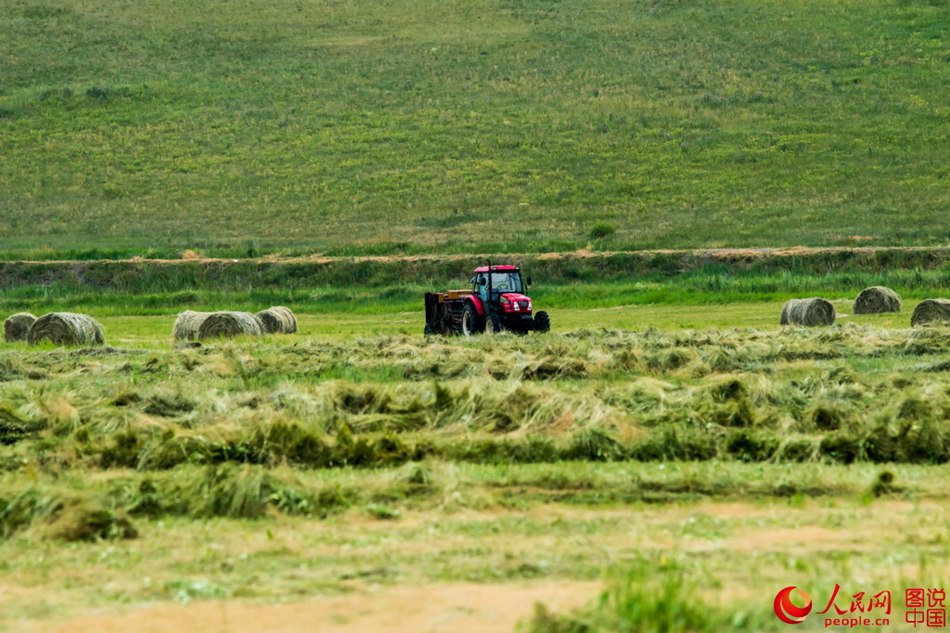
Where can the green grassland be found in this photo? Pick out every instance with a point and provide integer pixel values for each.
(489, 125)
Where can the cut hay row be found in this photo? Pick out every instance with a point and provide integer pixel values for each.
(346, 424)
(876, 300)
(278, 320)
(187, 325)
(17, 326)
(226, 324)
(931, 311)
(809, 312)
(66, 328)
(750, 400)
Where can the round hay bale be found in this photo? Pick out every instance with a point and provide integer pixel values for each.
(17, 326)
(810, 312)
(229, 324)
(187, 324)
(66, 328)
(877, 299)
(931, 311)
(278, 320)
(783, 318)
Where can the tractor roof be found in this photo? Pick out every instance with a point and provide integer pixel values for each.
(497, 269)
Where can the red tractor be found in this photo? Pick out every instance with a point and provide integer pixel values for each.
(496, 302)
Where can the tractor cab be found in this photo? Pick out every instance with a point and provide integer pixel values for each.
(501, 280)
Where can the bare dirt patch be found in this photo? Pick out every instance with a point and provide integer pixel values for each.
(444, 608)
(723, 254)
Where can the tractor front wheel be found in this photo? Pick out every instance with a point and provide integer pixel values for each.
(471, 322)
(493, 324)
(542, 322)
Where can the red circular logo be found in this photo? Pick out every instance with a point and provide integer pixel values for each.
(787, 611)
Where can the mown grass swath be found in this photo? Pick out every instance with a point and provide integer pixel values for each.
(611, 396)
(113, 502)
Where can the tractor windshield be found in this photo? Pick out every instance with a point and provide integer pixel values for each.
(506, 282)
(501, 281)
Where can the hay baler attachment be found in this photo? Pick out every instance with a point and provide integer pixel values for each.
(444, 311)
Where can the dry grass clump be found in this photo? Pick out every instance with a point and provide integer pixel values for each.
(228, 324)
(877, 299)
(548, 367)
(931, 311)
(15, 427)
(278, 320)
(187, 325)
(238, 491)
(810, 312)
(62, 517)
(66, 328)
(17, 326)
(87, 522)
(27, 506)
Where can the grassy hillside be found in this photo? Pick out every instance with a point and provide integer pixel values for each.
(487, 125)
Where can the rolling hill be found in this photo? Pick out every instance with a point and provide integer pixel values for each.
(411, 126)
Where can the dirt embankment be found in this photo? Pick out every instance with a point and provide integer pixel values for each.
(722, 254)
(138, 275)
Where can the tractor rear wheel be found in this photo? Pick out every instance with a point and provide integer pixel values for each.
(542, 322)
(471, 322)
(493, 324)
